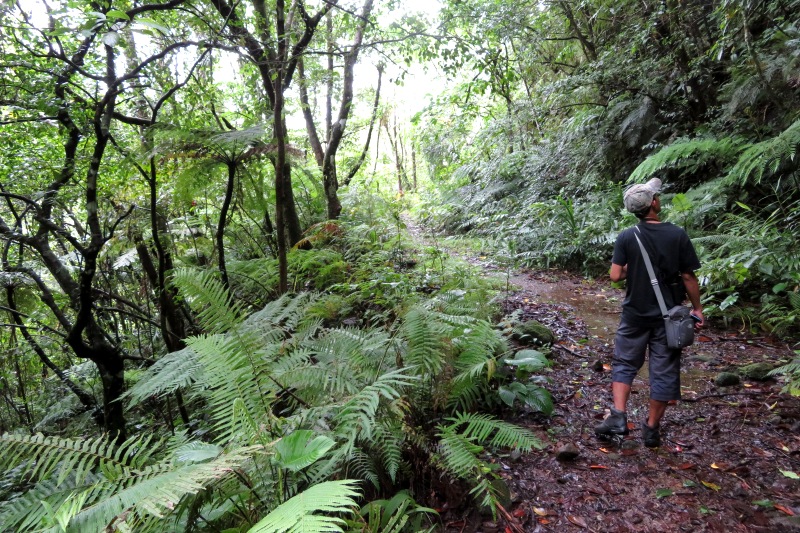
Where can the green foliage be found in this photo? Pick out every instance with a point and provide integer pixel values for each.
(216, 310)
(299, 514)
(395, 515)
(460, 450)
(751, 258)
(791, 371)
(770, 159)
(84, 485)
(688, 156)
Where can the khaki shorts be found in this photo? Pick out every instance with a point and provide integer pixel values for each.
(630, 345)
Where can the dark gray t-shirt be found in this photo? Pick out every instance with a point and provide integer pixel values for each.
(671, 253)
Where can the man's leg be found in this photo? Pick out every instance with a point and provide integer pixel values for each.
(620, 393)
(665, 384)
(629, 349)
(657, 409)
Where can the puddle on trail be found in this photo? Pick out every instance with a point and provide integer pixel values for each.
(599, 310)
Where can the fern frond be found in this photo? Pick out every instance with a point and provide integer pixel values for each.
(484, 428)
(297, 515)
(459, 454)
(40, 456)
(425, 337)
(792, 372)
(686, 155)
(362, 465)
(106, 480)
(389, 439)
(170, 373)
(466, 393)
(768, 158)
(357, 417)
(235, 382)
(286, 312)
(206, 295)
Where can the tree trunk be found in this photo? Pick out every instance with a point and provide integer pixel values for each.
(223, 218)
(112, 375)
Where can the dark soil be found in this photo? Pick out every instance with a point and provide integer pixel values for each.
(719, 468)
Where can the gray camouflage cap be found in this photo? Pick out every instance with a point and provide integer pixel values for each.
(638, 197)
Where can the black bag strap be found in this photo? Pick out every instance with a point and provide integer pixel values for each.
(653, 278)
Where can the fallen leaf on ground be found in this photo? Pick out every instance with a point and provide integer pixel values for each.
(599, 467)
(541, 511)
(578, 521)
(604, 450)
(711, 485)
(784, 509)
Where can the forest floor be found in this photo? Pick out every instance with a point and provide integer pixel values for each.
(728, 457)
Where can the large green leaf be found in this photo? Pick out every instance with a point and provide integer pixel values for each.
(301, 449)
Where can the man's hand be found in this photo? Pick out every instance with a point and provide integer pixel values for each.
(618, 272)
(699, 319)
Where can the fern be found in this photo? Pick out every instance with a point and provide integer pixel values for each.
(460, 449)
(768, 158)
(170, 373)
(486, 429)
(298, 515)
(688, 155)
(357, 417)
(426, 341)
(97, 480)
(792, 372)
(217, 311)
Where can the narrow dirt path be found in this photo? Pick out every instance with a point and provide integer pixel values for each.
(728, 457)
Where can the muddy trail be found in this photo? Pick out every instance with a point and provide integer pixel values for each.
(728, 457)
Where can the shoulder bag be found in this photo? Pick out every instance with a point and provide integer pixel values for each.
(677, 320)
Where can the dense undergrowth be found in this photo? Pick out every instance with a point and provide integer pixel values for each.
(340, 406)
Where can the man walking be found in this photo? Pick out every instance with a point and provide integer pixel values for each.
(642, 325)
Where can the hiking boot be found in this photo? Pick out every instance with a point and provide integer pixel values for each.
(651, 436)
(615, 424)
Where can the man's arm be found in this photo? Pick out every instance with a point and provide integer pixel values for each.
(618, 272)
(693, 291)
